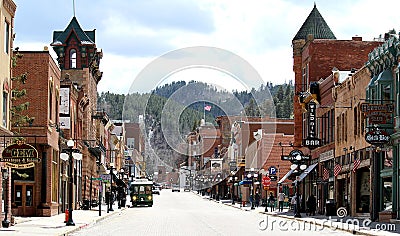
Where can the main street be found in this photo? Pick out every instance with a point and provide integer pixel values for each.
(186, 213)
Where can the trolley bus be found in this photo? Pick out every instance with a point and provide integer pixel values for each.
(141, 192)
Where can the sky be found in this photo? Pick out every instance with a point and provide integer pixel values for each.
(133, 34)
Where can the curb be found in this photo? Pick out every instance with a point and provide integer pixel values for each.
(91, 223)
(353, 231)
(333, 227)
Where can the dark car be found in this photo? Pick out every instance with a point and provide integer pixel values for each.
(156, 190)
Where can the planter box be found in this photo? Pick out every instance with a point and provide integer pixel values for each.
(385, 216)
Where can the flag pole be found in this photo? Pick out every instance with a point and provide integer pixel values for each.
(204, 112)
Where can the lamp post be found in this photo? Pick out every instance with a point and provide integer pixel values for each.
(298, 166)
(233, 179)
(120, 190)
(68, 155)
(251, 175)
(5, 223)
(111, 172)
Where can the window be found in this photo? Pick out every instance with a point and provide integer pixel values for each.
(5, 108)
(51, 101)
(6, 37)
(72, 56)
(386, 92)
(355, 114)
(54, 176)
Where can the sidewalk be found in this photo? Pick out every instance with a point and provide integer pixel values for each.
(347, 223)
(55, 225)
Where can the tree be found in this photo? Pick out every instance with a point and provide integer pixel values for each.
(19, 118)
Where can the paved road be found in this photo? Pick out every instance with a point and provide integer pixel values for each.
(185, 213)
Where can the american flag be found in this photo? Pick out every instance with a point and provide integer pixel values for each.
(207, 108)
(337, 169)
(357, 163)
(326, 174)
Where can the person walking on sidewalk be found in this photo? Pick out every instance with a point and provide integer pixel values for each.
(281, 199)
(257, 199)
(271, 200)
(311, 205)
(293, 203)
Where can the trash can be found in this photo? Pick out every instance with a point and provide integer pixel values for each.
(330, 207)
(85, 204)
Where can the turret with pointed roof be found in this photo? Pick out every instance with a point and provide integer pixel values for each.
(76, 49)
(315, 25)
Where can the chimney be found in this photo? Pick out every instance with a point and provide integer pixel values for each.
(356, 38)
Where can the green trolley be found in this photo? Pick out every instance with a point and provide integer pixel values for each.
(141, 192)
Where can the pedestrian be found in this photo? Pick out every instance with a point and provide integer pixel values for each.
(271, 200)
(293, 203)
(257, 199)
(281, 199)
(311, 205)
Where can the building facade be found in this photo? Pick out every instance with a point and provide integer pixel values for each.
(35, 189)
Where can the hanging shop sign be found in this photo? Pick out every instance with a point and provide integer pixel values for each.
(312, 141)
(20, 155)
(377, 137)
(377, 113)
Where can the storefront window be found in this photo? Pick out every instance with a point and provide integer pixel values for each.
(388, 161)
(387, 193)
(363, 191)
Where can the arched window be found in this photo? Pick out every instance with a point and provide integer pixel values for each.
(72, 58)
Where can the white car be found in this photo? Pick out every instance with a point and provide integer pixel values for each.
(176, 188)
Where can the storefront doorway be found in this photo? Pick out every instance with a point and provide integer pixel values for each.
(23, 196)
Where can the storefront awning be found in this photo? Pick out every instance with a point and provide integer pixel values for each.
(285, 177)
(118, 181)
(245, 181)
(306, 172)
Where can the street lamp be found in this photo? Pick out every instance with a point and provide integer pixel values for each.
(121, 190)
(297, 168)
(251, 175)
(233, 179)
(5, 223)
(110, 171)
(69, 154)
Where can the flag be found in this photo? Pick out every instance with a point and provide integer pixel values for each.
(337, 169)
(207, 108)
(357, 163)
(326, 174)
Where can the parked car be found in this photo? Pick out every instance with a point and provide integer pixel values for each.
(156, 190)
(186, 188)
(175, 188)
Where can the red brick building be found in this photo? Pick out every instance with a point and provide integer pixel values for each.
(34, 191)
(316, 51)
(79, 60)
(317, 55)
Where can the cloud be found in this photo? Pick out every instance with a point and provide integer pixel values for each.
(132, 33)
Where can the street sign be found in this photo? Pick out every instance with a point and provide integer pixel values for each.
(272, 170)
(105, 177)
(266, 181)
(273, 177)
(93, 178)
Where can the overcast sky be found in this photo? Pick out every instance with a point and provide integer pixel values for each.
(133, 33)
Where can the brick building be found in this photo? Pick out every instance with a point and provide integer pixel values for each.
(35, 189)
(79, 60)
(7, 14)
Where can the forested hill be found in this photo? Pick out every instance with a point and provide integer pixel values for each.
(179, 106)
(113, 104)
